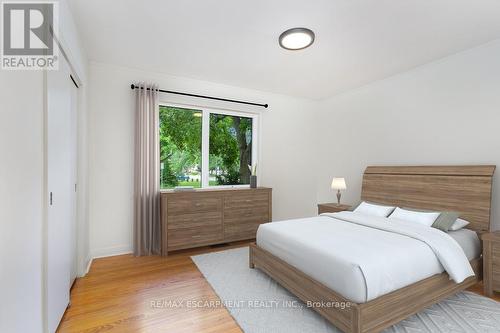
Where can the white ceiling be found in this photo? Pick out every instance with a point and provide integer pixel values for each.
(235, 42)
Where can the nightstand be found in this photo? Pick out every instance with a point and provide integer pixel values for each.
(331, 208)
(491, 262)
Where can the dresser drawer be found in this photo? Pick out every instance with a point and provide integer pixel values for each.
(243, 223)
(495, 251)
(193, 204)
(194, 220)
(192, 237)
(495, 265)
(259, 213)
(238, 231)
(496, 277)
(246, 200)
(491, 263)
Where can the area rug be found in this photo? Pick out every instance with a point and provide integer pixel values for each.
(259, 304)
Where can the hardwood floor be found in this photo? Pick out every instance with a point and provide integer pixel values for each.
(125, 294)
(478, 289)
(117, 294)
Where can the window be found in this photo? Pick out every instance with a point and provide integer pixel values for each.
(180, 147)
(230, 151)
(201, 147)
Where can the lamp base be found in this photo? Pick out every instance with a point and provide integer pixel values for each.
(338, 197)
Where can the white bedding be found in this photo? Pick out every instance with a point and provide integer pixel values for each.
(468, 241)
(363, 257)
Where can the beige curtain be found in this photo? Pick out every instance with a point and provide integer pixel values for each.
(147, 225)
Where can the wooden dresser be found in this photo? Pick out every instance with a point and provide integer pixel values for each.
(212, 216)
(491, 262)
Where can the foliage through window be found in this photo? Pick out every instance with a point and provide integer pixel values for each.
(230, 149)
(185, 160)
(180, 147)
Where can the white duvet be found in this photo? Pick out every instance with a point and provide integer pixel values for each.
(363, 257)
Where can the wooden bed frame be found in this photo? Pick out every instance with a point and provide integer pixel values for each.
(466, 189)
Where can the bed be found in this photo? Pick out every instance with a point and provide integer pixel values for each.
(314, 258)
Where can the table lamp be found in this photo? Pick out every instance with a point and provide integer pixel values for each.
(338, 184)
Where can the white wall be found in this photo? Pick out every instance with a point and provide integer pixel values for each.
(446, 112)
(21, 195)
(287, 154)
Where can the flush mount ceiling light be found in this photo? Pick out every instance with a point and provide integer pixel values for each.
(296, 39)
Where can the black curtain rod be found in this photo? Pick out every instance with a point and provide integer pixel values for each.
(202, 96)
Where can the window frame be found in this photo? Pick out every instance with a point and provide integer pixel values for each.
(205, 139)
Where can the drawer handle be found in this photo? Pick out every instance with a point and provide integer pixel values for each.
(248, 214)
(197, 204)
(196, 236)
(248, 200)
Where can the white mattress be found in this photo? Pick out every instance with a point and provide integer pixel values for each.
(323, 247)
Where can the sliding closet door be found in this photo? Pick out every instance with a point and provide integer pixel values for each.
(74, 176)
(60, 181)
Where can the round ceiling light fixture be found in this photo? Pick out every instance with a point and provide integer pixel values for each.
(296, 39)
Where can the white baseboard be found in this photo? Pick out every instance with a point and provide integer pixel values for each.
(102, 253)
(88, 266)
(111, 251)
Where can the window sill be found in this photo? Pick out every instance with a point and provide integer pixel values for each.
(213, 188)
(209, 188)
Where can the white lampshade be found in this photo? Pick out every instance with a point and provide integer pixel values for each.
(338, 184)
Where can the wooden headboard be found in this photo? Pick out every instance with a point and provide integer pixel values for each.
(464, 189)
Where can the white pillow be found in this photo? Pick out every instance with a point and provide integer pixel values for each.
(459, 224)
(374, 210)
(424, 218)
